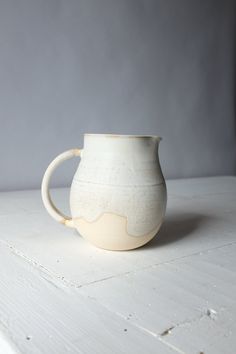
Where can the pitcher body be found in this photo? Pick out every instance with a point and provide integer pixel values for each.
(118, 194)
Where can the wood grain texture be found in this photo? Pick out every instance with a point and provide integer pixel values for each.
(59, 294)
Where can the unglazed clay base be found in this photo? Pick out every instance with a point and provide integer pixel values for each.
(110, 232)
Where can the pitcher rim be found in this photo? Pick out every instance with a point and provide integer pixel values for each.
(123, 135)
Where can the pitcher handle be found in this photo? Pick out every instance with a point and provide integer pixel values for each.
(46, 197)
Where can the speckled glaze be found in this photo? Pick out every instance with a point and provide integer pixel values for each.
(118, 194)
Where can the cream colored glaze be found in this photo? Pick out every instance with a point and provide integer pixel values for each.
(109, 232)
(143, 206)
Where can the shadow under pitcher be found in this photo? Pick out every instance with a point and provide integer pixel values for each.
(118, 193)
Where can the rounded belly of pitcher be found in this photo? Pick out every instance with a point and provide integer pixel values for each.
(117, 217)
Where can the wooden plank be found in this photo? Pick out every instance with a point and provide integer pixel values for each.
(41, 316)
(192, 225)
(189, 302)
(174, 295)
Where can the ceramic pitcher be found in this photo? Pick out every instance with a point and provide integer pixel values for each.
(118, 194)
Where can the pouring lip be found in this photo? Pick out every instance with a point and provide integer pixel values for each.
(109, 135)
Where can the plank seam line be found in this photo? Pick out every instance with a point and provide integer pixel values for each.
(200, 253)
(46, 274)
(206, 313)
(55, 279)
(144, 329)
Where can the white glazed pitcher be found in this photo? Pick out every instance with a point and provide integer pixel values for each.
(118, 194)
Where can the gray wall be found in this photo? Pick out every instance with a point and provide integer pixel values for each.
(161, 67)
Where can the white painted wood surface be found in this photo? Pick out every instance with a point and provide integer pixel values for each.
(59, 294)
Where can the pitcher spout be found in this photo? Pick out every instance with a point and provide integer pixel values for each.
(157, 138)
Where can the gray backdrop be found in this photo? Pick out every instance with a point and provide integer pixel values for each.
(162, 67)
